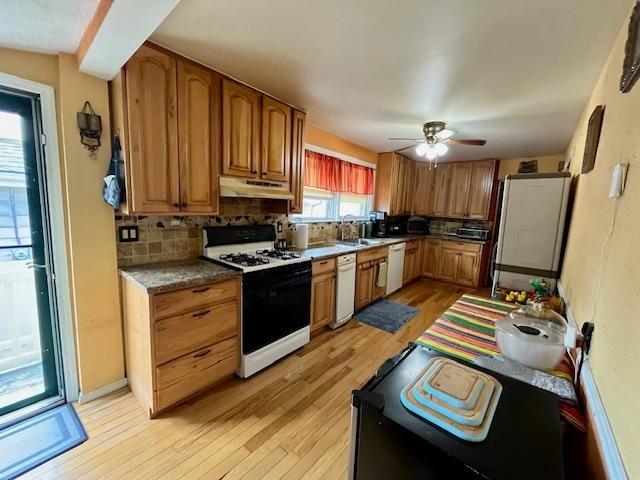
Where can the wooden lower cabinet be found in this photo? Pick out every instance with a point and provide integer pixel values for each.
(430, 257)
(365, 274)
(452, 262)
(448, 263)
(323, 293)
(412, 261)
(367, 269)
(181, 342)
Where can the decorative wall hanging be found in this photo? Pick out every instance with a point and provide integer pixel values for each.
(593, 136)
(528, 166)
(90, 126)
(631, 64)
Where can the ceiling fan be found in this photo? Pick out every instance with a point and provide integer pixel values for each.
(436, 141)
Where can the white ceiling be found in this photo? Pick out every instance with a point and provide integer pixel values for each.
(46, 26)
(515, 72)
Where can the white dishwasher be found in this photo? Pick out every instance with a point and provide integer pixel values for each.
(395, 269)
(345, 289)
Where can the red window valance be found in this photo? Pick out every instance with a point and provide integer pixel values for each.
(331, 173)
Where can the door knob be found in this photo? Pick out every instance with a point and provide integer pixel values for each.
(36, 265)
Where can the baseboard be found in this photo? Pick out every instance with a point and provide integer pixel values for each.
(85, 397)
(597, 415)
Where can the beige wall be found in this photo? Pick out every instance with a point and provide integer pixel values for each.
(601, 273)
(546, 164)
(89, 221)
(92, 244)
(327, 140)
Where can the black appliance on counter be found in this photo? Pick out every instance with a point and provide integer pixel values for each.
(397, 225)
(379, 221)
(418, 225)
(387, 441)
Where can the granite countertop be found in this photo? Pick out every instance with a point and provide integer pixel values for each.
(323, 251)
(167, 276)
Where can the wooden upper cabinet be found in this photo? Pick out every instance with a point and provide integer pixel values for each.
(481, 189)
(276, 140)
(440, 192)
(152, 132)
(240, 130)
(409, 185)
(395, 184)
(423, 190)
(199, 138)
(459, 187)
(297, 161)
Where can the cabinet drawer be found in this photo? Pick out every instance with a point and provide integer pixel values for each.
(371, 254)
(172, 303)
(190, 373)
(323, 266)
(194, 380)
(177, 336)
(412, 245)
(462, 246)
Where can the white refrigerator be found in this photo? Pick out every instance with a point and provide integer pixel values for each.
(532, 219)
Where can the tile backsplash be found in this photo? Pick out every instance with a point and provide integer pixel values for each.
(165, 238)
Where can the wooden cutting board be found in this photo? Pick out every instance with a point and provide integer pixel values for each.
(454, 383)
(435, 413)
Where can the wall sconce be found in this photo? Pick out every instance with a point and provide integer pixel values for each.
(90, 126)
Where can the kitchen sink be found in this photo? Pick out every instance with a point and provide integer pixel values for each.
(359, 241)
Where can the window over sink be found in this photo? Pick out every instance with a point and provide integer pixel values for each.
(334, 188)
(322, 205)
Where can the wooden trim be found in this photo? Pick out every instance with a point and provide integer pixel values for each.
(607, 463)
(92, 28)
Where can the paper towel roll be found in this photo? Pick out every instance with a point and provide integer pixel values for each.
(302, 235)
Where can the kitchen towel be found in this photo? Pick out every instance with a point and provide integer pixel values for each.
(381, 281)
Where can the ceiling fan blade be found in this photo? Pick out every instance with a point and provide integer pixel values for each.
(405, 148)
(410, 139)
(445, 133)
(453, 141)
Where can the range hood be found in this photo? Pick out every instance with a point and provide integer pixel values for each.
(250, 188)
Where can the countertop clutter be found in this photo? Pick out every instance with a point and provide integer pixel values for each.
(323, 251)
(168, 276)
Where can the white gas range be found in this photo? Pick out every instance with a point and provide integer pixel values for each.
(276, 292)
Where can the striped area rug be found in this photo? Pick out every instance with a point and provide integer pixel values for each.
(467, 330)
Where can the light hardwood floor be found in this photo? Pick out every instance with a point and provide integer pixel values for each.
(290, 421)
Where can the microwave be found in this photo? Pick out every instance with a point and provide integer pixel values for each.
(417, 225)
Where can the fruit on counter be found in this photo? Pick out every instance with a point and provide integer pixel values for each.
(522, 297)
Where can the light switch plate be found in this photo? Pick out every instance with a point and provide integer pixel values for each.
(128, 233)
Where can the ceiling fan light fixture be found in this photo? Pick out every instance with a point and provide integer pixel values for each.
(432, 154)
(422, 148)
(440, 148)
(444, 134)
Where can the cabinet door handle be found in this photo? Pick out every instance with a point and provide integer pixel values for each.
(201, 314)
(204, 353)
(201, 290)
(265, 173)
(176, 205)
(184, 205)
(324, 263)
(254, 172)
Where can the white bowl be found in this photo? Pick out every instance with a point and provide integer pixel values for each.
(536, 343)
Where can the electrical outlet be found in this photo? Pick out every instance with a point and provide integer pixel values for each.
(128, 233)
